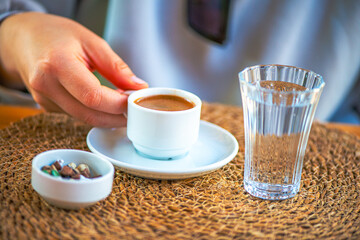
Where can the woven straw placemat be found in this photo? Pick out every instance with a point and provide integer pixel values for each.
(214, 206)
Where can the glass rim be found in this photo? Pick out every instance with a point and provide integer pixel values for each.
(266, 90)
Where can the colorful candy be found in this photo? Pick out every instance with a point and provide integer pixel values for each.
(69, 171)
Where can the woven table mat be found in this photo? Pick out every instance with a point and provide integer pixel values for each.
(214, 206)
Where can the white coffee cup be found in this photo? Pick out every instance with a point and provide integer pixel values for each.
(163, 134)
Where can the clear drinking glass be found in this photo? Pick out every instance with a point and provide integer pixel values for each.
(279, 104)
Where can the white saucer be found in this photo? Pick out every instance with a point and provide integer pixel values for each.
(214, 148)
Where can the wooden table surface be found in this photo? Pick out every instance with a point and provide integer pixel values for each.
(9, 114)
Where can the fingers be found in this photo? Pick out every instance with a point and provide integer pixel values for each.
(47, 104)
(111, 66)
(46, 87)
(85, 87)
(74, 108)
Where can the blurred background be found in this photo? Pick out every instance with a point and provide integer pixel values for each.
(100, 15)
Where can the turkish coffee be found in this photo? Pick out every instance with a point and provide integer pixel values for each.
(165, 103)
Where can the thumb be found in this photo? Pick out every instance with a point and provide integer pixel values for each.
(110, 65)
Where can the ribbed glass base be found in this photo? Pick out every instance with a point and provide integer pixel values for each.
(271, 191)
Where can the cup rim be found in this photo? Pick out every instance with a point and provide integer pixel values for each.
(172, 91)
(307, 91)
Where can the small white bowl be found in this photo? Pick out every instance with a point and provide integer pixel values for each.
(72, 193)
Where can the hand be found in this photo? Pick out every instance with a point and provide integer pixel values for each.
(55, 57)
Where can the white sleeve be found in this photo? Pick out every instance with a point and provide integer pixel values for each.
(15, 97)
(10, 7)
